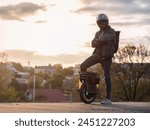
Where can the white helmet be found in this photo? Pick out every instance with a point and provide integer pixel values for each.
(102, 17)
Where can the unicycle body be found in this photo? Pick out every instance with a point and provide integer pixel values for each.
(89, 86)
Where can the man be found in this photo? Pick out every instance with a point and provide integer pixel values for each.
(105, 46)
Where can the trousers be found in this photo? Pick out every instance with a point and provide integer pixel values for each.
(106, 65)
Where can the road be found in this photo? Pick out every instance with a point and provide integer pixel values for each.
(115, 107)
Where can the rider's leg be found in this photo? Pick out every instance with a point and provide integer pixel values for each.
(106, 65)
(92, 60)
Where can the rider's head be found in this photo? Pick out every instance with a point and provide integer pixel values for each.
(102, 21)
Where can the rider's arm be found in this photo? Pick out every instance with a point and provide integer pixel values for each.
(95, 40)
(106, 38)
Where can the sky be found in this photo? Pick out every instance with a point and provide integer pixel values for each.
(42, 32)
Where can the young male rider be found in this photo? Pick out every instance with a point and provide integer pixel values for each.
(104, 43)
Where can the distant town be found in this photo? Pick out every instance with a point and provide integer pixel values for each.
(50, 83)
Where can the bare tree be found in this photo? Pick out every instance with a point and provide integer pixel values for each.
(132, 66)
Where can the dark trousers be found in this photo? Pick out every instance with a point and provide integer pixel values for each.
(106, 64)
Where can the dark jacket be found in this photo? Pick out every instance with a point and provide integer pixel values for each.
(104, 43)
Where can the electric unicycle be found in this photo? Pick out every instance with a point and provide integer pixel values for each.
(89, 86)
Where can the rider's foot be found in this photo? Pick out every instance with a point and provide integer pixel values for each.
(106, 101)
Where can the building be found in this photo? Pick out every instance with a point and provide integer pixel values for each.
(45, 69)
(76, 70)
(69, 82)
(21, 78)
(11, 68)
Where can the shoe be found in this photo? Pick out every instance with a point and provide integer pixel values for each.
(106, 101)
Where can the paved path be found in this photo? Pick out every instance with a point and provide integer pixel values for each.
(115, 107)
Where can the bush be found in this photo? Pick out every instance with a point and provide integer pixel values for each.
(8, 94)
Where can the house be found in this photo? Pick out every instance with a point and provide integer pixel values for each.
(76, 70)
(69, 82)
(21, 78)
(11, 68)
(45, 69)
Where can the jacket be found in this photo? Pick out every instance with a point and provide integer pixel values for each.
(105, 43)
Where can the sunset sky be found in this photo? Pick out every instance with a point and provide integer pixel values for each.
(60, 31)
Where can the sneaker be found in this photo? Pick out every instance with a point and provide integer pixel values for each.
(106, 101)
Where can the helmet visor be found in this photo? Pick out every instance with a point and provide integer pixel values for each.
(102, 21)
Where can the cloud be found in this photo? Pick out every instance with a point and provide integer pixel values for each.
(40, 21)
(19, 11)
(71, 58)
(87, 44)
(116, 6)
(23, 56)
(87, 1)
(125, 23)
(146, 20)
(129, 12)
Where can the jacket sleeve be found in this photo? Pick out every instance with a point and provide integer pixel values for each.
(95, 40)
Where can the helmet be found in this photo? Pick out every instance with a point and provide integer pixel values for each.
(102, 17)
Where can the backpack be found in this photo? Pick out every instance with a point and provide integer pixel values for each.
(117, 40)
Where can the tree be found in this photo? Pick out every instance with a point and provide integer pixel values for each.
(39, 77)
(18, 66)
(132, 66)
(57, 80)
(58, 67)
(7, 92)
(3, 57)
(68, 71)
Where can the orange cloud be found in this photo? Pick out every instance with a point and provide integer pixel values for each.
(23, 56)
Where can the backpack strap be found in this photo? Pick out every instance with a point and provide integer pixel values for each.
(117, 40)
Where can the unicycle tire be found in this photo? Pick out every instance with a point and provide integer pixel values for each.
(85, 96)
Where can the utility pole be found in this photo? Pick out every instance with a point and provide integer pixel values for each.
(34, 85)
